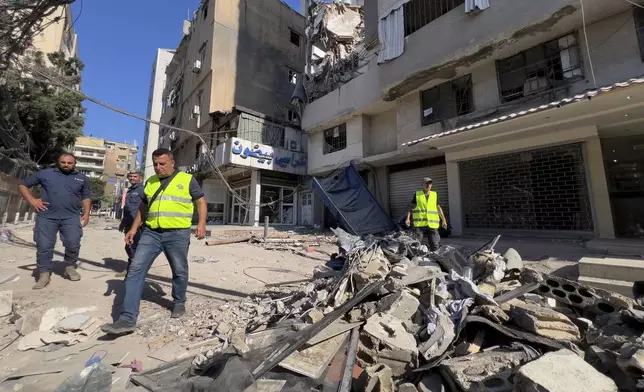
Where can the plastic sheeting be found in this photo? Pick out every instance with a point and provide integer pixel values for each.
(347, 197)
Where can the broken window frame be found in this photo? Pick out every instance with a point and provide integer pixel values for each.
(293, 76)
(420, 13)
(295, 36)
(535, 71)
(447, 100)
(333, 142)
(638, 17)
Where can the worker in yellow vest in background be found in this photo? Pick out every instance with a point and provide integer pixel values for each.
(166, 214)
(427, 214)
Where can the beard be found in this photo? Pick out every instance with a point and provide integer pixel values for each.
(66, 170)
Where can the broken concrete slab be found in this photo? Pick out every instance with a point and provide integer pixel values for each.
(544, 321)
(407, 387)
(41, 338)
(493, 313)
(480, 372)
(377, 378)
(561, 371)
(29, 323)
(266, 386)
(313, 361)
(336, 328)
(6, 303)
(73, 323)
(390, 331)
(513, 259)
(441, 339)
(401, 305)
(314, 316)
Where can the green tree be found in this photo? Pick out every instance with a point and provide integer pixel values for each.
(51, 116)
(98, 189)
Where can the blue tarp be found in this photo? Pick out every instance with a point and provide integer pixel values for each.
(354, 207)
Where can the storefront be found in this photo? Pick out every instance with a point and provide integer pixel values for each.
(624, 164)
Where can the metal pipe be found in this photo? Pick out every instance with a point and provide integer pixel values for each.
(347, 377)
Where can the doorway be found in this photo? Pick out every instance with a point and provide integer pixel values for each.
(306, 209)
(624, 165)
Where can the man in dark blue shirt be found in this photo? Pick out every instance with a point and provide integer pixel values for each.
(133, 200)
(63, 192)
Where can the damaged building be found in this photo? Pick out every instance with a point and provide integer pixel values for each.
(526, 115)
(230, 80)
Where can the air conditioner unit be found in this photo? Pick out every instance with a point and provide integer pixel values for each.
(196, 110)
(293, 145)
(196, 68)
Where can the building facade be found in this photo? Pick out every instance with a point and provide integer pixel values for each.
(59, 34)
(155, 106)
(230, 81)
(527, 115)
(107, 160)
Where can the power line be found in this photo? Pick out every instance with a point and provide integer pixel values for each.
(208, 154)
(590, 60)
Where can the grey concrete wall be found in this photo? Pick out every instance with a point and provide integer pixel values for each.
(383, 130)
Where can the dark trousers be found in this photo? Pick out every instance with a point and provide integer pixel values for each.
(45, 232)
(432, 237)
(131, 249)
(175, 245)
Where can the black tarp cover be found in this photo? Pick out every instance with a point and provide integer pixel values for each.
(347, 197)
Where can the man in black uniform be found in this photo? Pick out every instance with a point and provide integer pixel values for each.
(133, 200)
(64, 192)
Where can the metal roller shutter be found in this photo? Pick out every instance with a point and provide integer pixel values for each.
(403, 184)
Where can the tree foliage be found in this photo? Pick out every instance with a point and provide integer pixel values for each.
(50, 116)
(98, 189)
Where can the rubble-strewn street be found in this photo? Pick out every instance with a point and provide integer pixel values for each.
(379, 313)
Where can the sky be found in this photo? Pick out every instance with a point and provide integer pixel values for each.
(118, 40)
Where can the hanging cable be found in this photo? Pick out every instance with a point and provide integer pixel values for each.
(590, 60)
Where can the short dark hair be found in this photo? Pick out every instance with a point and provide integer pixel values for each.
(137, 172)
(67, 154)
(162, 151)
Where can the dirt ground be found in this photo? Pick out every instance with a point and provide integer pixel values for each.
(217, 274)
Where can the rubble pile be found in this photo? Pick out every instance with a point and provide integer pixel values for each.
(388, 315)
(337, 32)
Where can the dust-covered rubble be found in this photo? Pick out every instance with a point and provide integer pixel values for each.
(409, 319)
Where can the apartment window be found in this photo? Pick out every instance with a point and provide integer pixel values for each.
(545, 67)
(293, 76)
(335, 139)
(638, 16)
(418, 13)
(121, 158)
(197, 150)
(447, 100)
(290, 115)
(121, 166)
(295, 38)
(121, 148)
(202, 53)
(204, 10)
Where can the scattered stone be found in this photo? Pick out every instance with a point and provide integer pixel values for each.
(377, 378)
(223, 328)
(545, 322)
(493, 313)
(6, 302)
(478, 373)
(401, 305)
(314, 316)
(407, 387)
(513, 259)
(561, 371)
(238, 341)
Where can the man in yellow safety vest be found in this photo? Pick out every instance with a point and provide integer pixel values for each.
(427, 214)
(168, 207)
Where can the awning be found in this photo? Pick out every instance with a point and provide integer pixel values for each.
(556, 104)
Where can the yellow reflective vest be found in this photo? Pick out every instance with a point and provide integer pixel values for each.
(426, 212)
(173, 208)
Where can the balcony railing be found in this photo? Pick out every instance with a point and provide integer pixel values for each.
(418, 13)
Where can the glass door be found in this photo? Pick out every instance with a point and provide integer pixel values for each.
(239, 211)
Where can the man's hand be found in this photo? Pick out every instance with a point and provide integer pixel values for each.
(201, 231)
(129, 237)
(444, 224)
(85, 220)
(408, 222)
(39, 205)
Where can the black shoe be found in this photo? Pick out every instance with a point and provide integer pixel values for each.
(178, 311)
(120, 327)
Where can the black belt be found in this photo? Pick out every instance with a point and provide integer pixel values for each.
(161, 230)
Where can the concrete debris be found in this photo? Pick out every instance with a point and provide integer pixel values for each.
(481, 322)
(6, 303)
(544, 321)
(562, 371)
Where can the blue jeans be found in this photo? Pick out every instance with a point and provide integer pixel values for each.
(45, 232)
(174, 244)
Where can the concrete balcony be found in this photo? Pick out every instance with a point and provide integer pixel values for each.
(90, 165)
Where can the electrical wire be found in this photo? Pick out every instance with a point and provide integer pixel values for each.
(208, 155)
(590, 60)
(635, 4)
